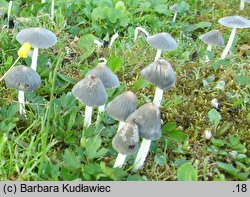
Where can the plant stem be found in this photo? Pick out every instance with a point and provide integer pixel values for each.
(88, 116)
(142, 154)
(158, 55)
(209, 48)
(9, 69)
(9, 10)
(120, 160)
(158, 96)
(175, 16)
(21, 101)
(229, 44)
(34, 59)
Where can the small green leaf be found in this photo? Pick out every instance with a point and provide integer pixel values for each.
(140, 84)
(136, 178)
(187, 173)
(86, 45)
(218, 142)
(66, 78)
(170, 126)
(71, 161)
(177, 136)
(114, 63)
(243, 80)
(113, 173)
(232, 170)
(214, 117)
(93, 148)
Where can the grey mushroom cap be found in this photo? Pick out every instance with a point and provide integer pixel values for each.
(22, 78)
(235, 22)
(38, 37)
(127, 139)
(213, 37)
(148, 119)
(90, 91)
(122, 106)
(160, 73)
(174, 7)
(108, 78)
(162, 41)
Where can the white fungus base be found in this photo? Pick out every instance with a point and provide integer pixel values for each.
(209, 48)
(142, 154)
(120, 160)
(158, 96)
(34, 59)
(229, 44)
(88, 116)
(21, 101)
(9, 9)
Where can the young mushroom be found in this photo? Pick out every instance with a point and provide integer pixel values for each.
(108, 78)
(122, 106)
(242, 4)
(160, 41)
(106, 42)
(91, 92)
(39, 38)
(126, 142)
(174, 8)
(233, 22)
(161, 74)
(212, 38)
(148, 119)
(22, 78)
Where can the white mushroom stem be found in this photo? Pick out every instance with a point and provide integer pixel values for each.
(113, 38)
(158, 55)
(121, 124)
(52, 10)
(142, 154)
(101, 109)
(209, 48)
(175, 16)
(140, 29)
(120, 160)
(9, 9)
(34, 59)
(158, 96)
(242, 4)
(99, 44)
(229, 44)
(88, 116)
(21, 102)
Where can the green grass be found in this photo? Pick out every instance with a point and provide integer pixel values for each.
(52, 144)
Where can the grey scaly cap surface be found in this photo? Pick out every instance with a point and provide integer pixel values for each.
(122, 106)
(162, 41)
(235, 22)
(174, 7)
(38, 37)
(126, 141)
(160, 73)
(148, 119)
(108, 78)
(90, 91)
(22, 78)
(213, 37)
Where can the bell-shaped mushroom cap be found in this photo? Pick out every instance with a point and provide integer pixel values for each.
(174, 7)
(213, 37)
(108, 78)
(38, 37)
(22, 78)
(148, 119)
(90, 91)
(126, 140)
(162, 41)
(160, 73)
(122, 106)
(235, 22)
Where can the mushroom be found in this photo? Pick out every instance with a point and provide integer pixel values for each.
(126, 142)
(174, 8)
(109, 43)
(39, 38)
(91, 92)
(212, 38)
(9, 10)
(108, 78)
(161, 74)
(242, 4)
(233, 22)
(160, 41)
(23, 79)
(148, 119)
(122, 106)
